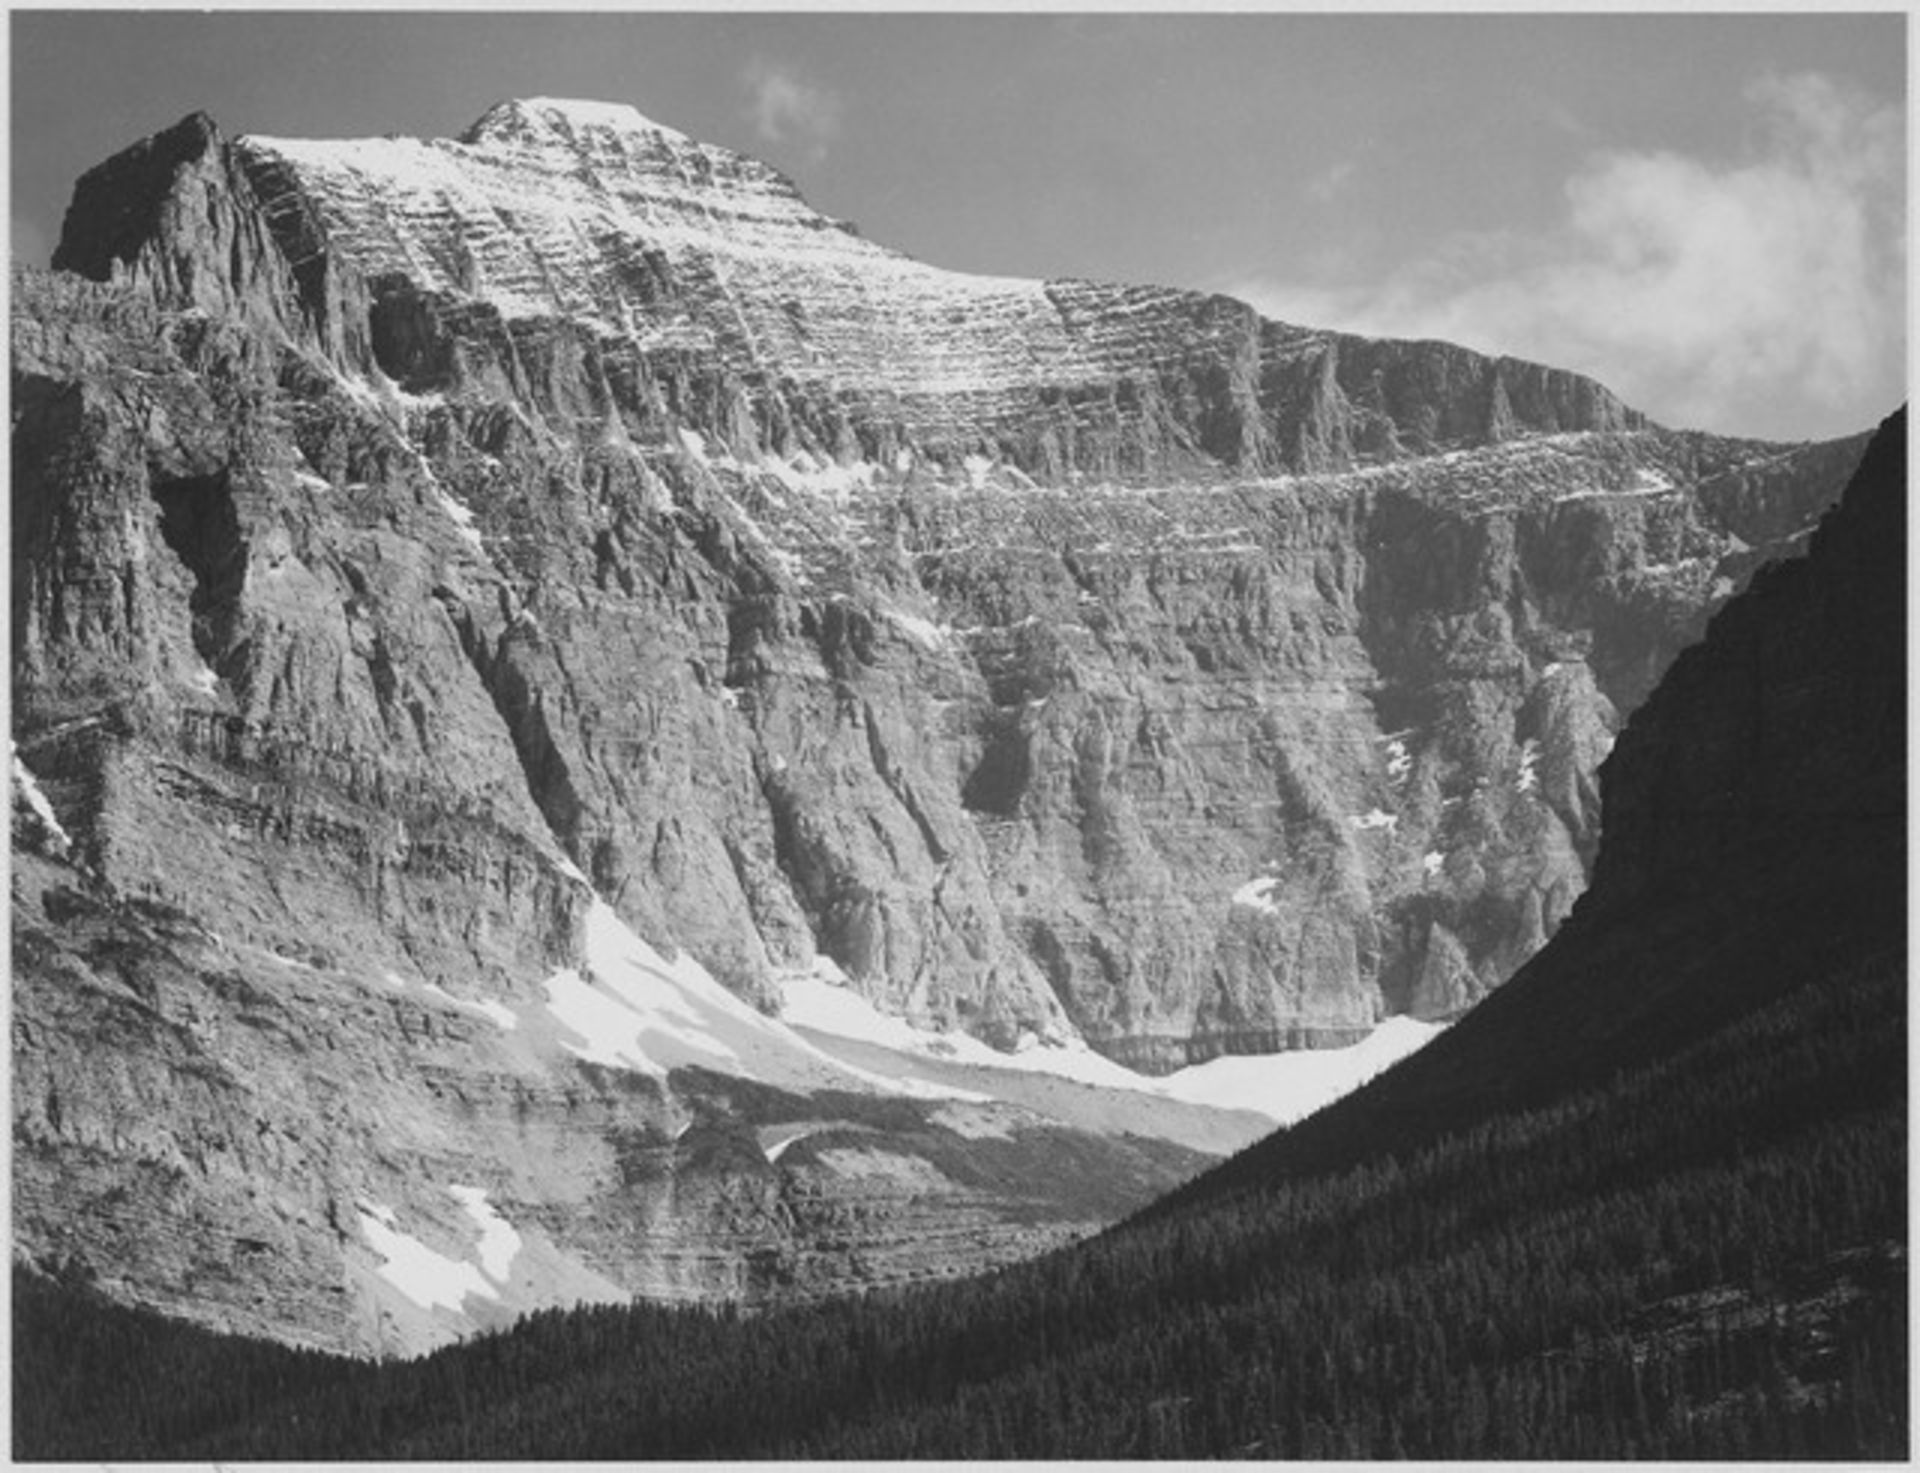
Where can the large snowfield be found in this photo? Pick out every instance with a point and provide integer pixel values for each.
(1283, 1087)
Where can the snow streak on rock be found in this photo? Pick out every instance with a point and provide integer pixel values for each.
(27, 787)
(499, 1243)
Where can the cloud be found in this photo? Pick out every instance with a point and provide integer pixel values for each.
(787, 109)
(1763, 295)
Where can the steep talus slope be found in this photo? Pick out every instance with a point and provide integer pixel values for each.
(1647, 1201)
(422, 548)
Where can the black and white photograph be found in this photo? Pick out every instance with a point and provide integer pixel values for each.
(958, 735)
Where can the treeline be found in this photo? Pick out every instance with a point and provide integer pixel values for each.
(1700, 1258)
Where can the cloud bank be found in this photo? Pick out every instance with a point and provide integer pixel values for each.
(787, 109)
(1766, 295)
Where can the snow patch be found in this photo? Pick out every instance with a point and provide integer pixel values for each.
(1375, 818)
(923, 632)
(640, 1011)
(24, 782)
(1283, 1087)
(1432, 862)
(976, 467)
(499, 1243)
(1399, 762)
(1254, 894)
(358, 390)
(829, 478)
(499, 1014)
(694, 443)
(431, 1280)
(775, 1140)
(821, 1000)
(1291, 1086)
(576, 113)
(630, 1008)
(1529, 778)
(457, 511)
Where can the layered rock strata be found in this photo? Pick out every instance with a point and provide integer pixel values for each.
(421, 549)
(1052, 656)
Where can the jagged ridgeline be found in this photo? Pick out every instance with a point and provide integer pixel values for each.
(452, 574)
(1648, 1201)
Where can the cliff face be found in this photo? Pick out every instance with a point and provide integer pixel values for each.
(418, 545)
(962, 629)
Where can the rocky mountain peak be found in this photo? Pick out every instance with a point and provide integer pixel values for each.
(565, 121)
(632, 243)
(427, 550)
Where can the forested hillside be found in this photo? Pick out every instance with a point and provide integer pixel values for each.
(1701, 1260)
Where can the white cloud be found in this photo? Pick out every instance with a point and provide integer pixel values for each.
(1765, 295)
(786, 108)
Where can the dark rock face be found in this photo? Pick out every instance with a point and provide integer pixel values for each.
(413, 541)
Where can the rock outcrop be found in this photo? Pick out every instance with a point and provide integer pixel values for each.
(419, 545)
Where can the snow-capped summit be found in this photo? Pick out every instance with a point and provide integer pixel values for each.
(592, 213)
(542, 119)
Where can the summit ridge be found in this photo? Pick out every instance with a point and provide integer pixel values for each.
(524, 119)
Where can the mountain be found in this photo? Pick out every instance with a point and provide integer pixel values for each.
(1674, 1226)
(497, 621)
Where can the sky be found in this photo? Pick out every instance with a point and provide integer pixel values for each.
(1706, 212)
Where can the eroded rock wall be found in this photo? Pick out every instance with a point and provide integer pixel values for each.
(1051, 656)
